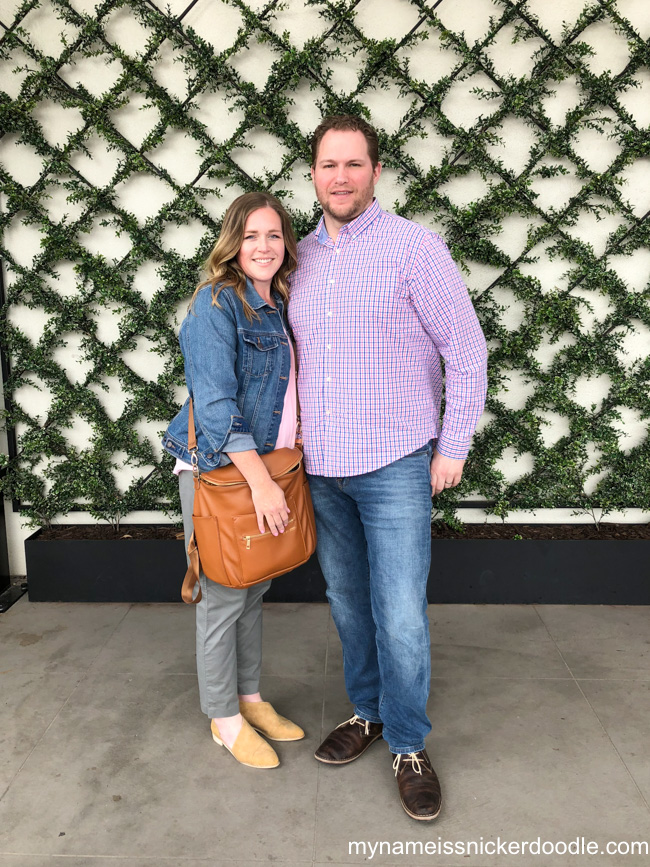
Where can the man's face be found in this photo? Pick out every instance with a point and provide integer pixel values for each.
(343, 176)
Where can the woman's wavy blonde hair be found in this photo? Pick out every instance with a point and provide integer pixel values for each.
(222, 267)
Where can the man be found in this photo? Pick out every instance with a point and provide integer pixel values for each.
(375, 302)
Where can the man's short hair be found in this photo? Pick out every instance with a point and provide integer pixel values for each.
(346, 123)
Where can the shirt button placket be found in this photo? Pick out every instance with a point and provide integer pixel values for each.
(329, 323)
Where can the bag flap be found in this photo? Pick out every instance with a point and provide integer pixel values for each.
(277, 462)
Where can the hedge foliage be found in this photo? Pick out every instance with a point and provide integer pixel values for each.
(588, 468)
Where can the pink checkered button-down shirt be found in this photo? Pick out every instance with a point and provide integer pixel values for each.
(372, 314)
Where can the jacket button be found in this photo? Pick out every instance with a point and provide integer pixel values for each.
(210, 456)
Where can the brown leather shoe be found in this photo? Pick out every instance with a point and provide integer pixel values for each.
(348, 741)
(419, 788)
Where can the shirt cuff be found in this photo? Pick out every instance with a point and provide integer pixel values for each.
(451, 448)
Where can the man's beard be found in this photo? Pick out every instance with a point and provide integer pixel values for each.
(356, 207)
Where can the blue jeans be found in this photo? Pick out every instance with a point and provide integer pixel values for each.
(374, 547)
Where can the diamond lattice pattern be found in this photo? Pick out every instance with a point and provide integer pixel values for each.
(519, 133)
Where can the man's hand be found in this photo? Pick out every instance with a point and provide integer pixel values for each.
(445, 472)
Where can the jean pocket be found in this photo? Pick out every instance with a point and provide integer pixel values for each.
(425, 450)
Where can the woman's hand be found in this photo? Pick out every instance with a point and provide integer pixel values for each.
(268, 498)
(270, 504)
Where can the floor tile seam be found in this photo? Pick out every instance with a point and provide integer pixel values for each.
(543, 622)
(141, 672)
(328, 634)
(208, 858)
(643, 679)
(156, 858)
(83, 676)
(520, 645)
(555, 644)
(614, 679)
(319, 768)
(459, 676)
(113, 631)
(614, 747)
(455, 675)
(33, 668)
(591, 637)
(148, 673)
(387, 863)
(82, 679)
(532, 677)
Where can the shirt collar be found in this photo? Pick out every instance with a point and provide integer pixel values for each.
(354, 227)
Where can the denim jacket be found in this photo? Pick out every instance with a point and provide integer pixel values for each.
(237, 374)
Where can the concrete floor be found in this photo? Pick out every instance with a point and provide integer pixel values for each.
(540, 730)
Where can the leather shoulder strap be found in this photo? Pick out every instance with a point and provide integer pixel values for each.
(192, 575)
(191, 429)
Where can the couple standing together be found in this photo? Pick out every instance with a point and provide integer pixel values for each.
(373, 302)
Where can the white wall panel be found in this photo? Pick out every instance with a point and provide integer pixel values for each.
(427, 60)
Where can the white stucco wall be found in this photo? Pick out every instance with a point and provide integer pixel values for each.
(429, 60)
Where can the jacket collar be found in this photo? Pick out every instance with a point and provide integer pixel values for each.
(255, 300)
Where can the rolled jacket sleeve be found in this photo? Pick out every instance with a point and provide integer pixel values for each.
(443, 305)
(209, 343)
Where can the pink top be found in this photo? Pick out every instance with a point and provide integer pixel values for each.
(287, 432)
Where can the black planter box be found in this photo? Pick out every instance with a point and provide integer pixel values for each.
(569, 572)
(463, 570)
(134, 570)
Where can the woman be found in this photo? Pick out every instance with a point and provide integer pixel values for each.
(240, 374)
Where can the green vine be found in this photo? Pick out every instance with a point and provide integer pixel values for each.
(50, 477)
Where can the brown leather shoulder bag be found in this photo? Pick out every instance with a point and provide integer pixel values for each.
(226, 538)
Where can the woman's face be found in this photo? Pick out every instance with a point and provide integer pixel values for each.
(262, 249)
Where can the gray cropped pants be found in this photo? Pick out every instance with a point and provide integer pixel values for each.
(228, 632)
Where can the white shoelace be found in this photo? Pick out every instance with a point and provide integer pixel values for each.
(409, 757)
(356, 720)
